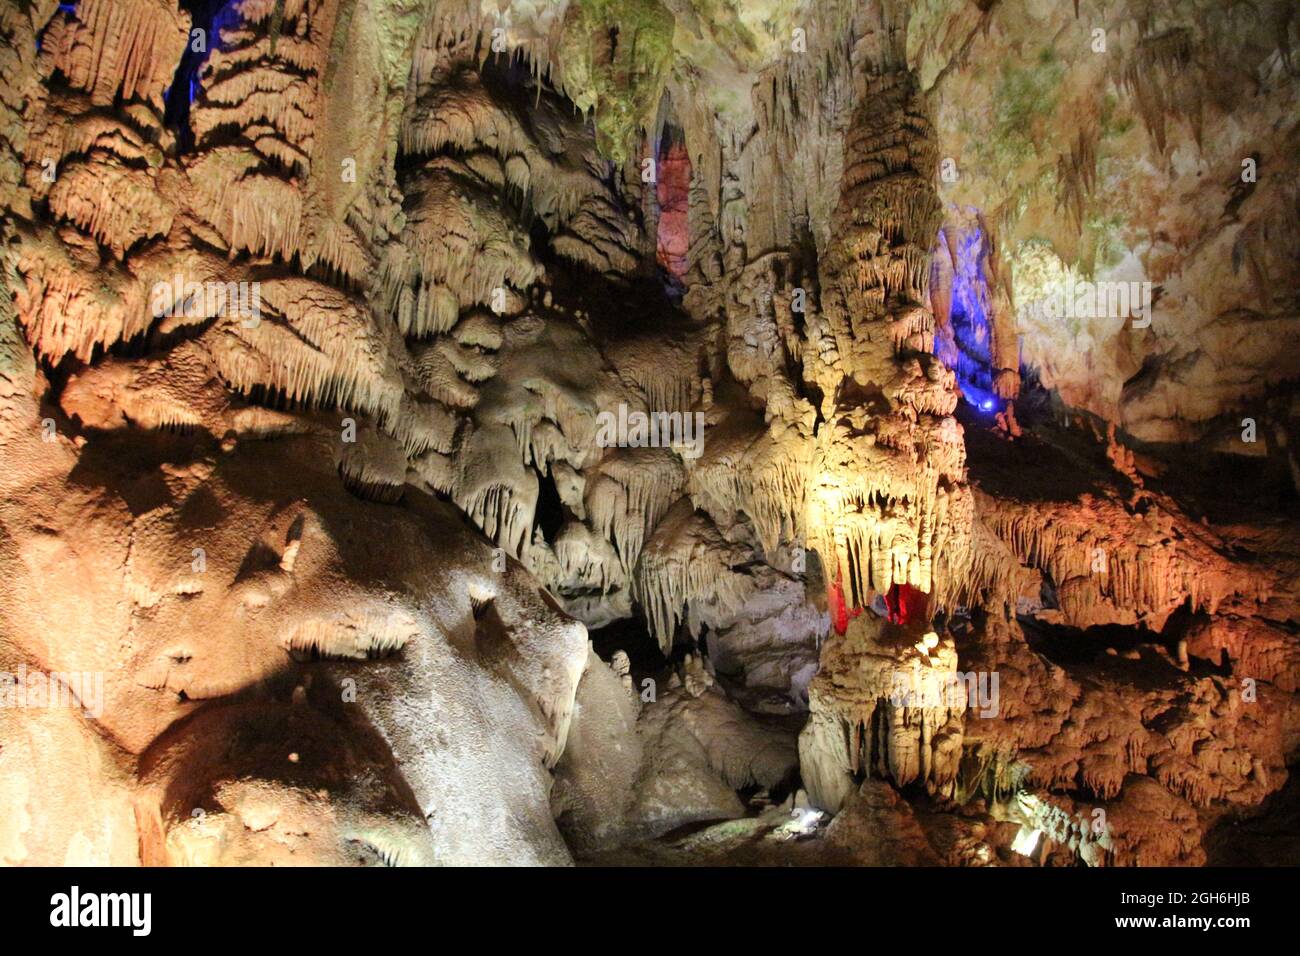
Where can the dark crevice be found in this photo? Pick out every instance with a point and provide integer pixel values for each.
(632, 636)
(550, 515)
(209, 16)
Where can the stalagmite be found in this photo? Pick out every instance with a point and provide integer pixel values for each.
(881, 705)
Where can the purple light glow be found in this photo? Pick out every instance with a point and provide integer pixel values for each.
(969, 350)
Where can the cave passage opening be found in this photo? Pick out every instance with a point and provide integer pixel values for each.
(632, 636)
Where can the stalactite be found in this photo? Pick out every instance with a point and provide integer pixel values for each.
(117, 205)
(350, 364)
(628, 495)
(1109, 564)
(685, 562)
(119, 46)
(66, 310)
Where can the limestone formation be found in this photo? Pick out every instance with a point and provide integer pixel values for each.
(792, 431)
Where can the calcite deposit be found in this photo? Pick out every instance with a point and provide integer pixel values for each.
(496, 432)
